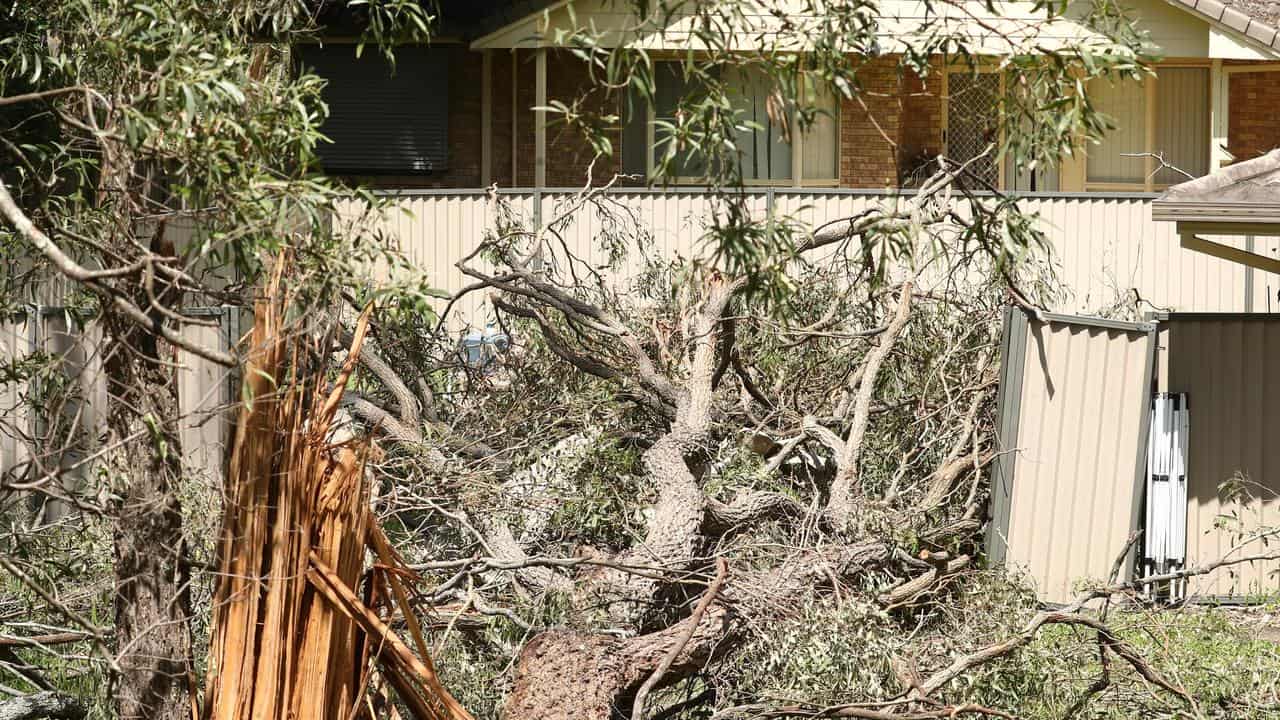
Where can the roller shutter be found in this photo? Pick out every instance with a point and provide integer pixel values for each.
(383, 122)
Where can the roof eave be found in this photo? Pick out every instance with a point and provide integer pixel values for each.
(1163, 210)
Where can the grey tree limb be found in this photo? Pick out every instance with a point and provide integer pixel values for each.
(41, 705)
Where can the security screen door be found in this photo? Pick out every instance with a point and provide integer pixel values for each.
(972, 104)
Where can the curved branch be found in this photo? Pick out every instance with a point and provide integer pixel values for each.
(410, 414)
(96, 280)
(747, 508)
(841, 502)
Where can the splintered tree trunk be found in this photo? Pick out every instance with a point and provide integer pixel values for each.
(152, 606)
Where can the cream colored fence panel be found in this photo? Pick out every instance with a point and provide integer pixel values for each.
(15, 419)
(67, 425)
(1229, 366)
(434, 231)
(206, 399)
(1108, 254)
(1073, 424)
(1107, 247)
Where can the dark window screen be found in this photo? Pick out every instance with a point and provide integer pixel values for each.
(382, 122)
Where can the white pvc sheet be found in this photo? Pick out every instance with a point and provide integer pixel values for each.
(1166, 529)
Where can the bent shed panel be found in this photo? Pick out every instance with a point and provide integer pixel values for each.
(1073, 427)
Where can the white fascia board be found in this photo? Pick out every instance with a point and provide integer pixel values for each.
(527, 32)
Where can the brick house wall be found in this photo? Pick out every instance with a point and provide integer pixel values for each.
(921, 139)
(568, 151)
(500, 119)
(913, 122)
(868, 160)
(879, 147)
(1253, 114)
(870, 129)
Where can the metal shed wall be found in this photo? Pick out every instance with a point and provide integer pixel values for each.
(1229, 365)
(1073, 408)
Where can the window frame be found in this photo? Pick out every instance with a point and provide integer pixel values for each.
(1150, 88)
(797, 147)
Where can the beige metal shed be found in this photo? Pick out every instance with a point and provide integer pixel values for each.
(1072, 427)
(1228, 367)
(1167, 427)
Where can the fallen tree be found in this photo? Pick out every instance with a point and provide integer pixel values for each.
(40, 705)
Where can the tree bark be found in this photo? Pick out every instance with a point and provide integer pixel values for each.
(566, 675)
(674, 529)
(41, 705)
(152, 607)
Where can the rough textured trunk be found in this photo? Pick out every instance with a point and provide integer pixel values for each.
(584, 676)
(152, 608)
(674, 530)
(41, 705)
(565, 675)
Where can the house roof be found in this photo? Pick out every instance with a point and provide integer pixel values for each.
(1263, 11)
(1018, 27)
(1256, 19)
(1247, 26)
(1246, 192)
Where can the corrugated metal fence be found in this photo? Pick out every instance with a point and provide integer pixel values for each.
(204, 390)
(1105, 245)
(1073, 418)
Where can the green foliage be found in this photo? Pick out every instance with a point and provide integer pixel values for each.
(472, 666)
(72, 562)
(829, 653)
(598, 510)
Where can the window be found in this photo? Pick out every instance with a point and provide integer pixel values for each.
(1168, 115)
(1182, 123)
(383, 123)
(820, 142)
(765, 154)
